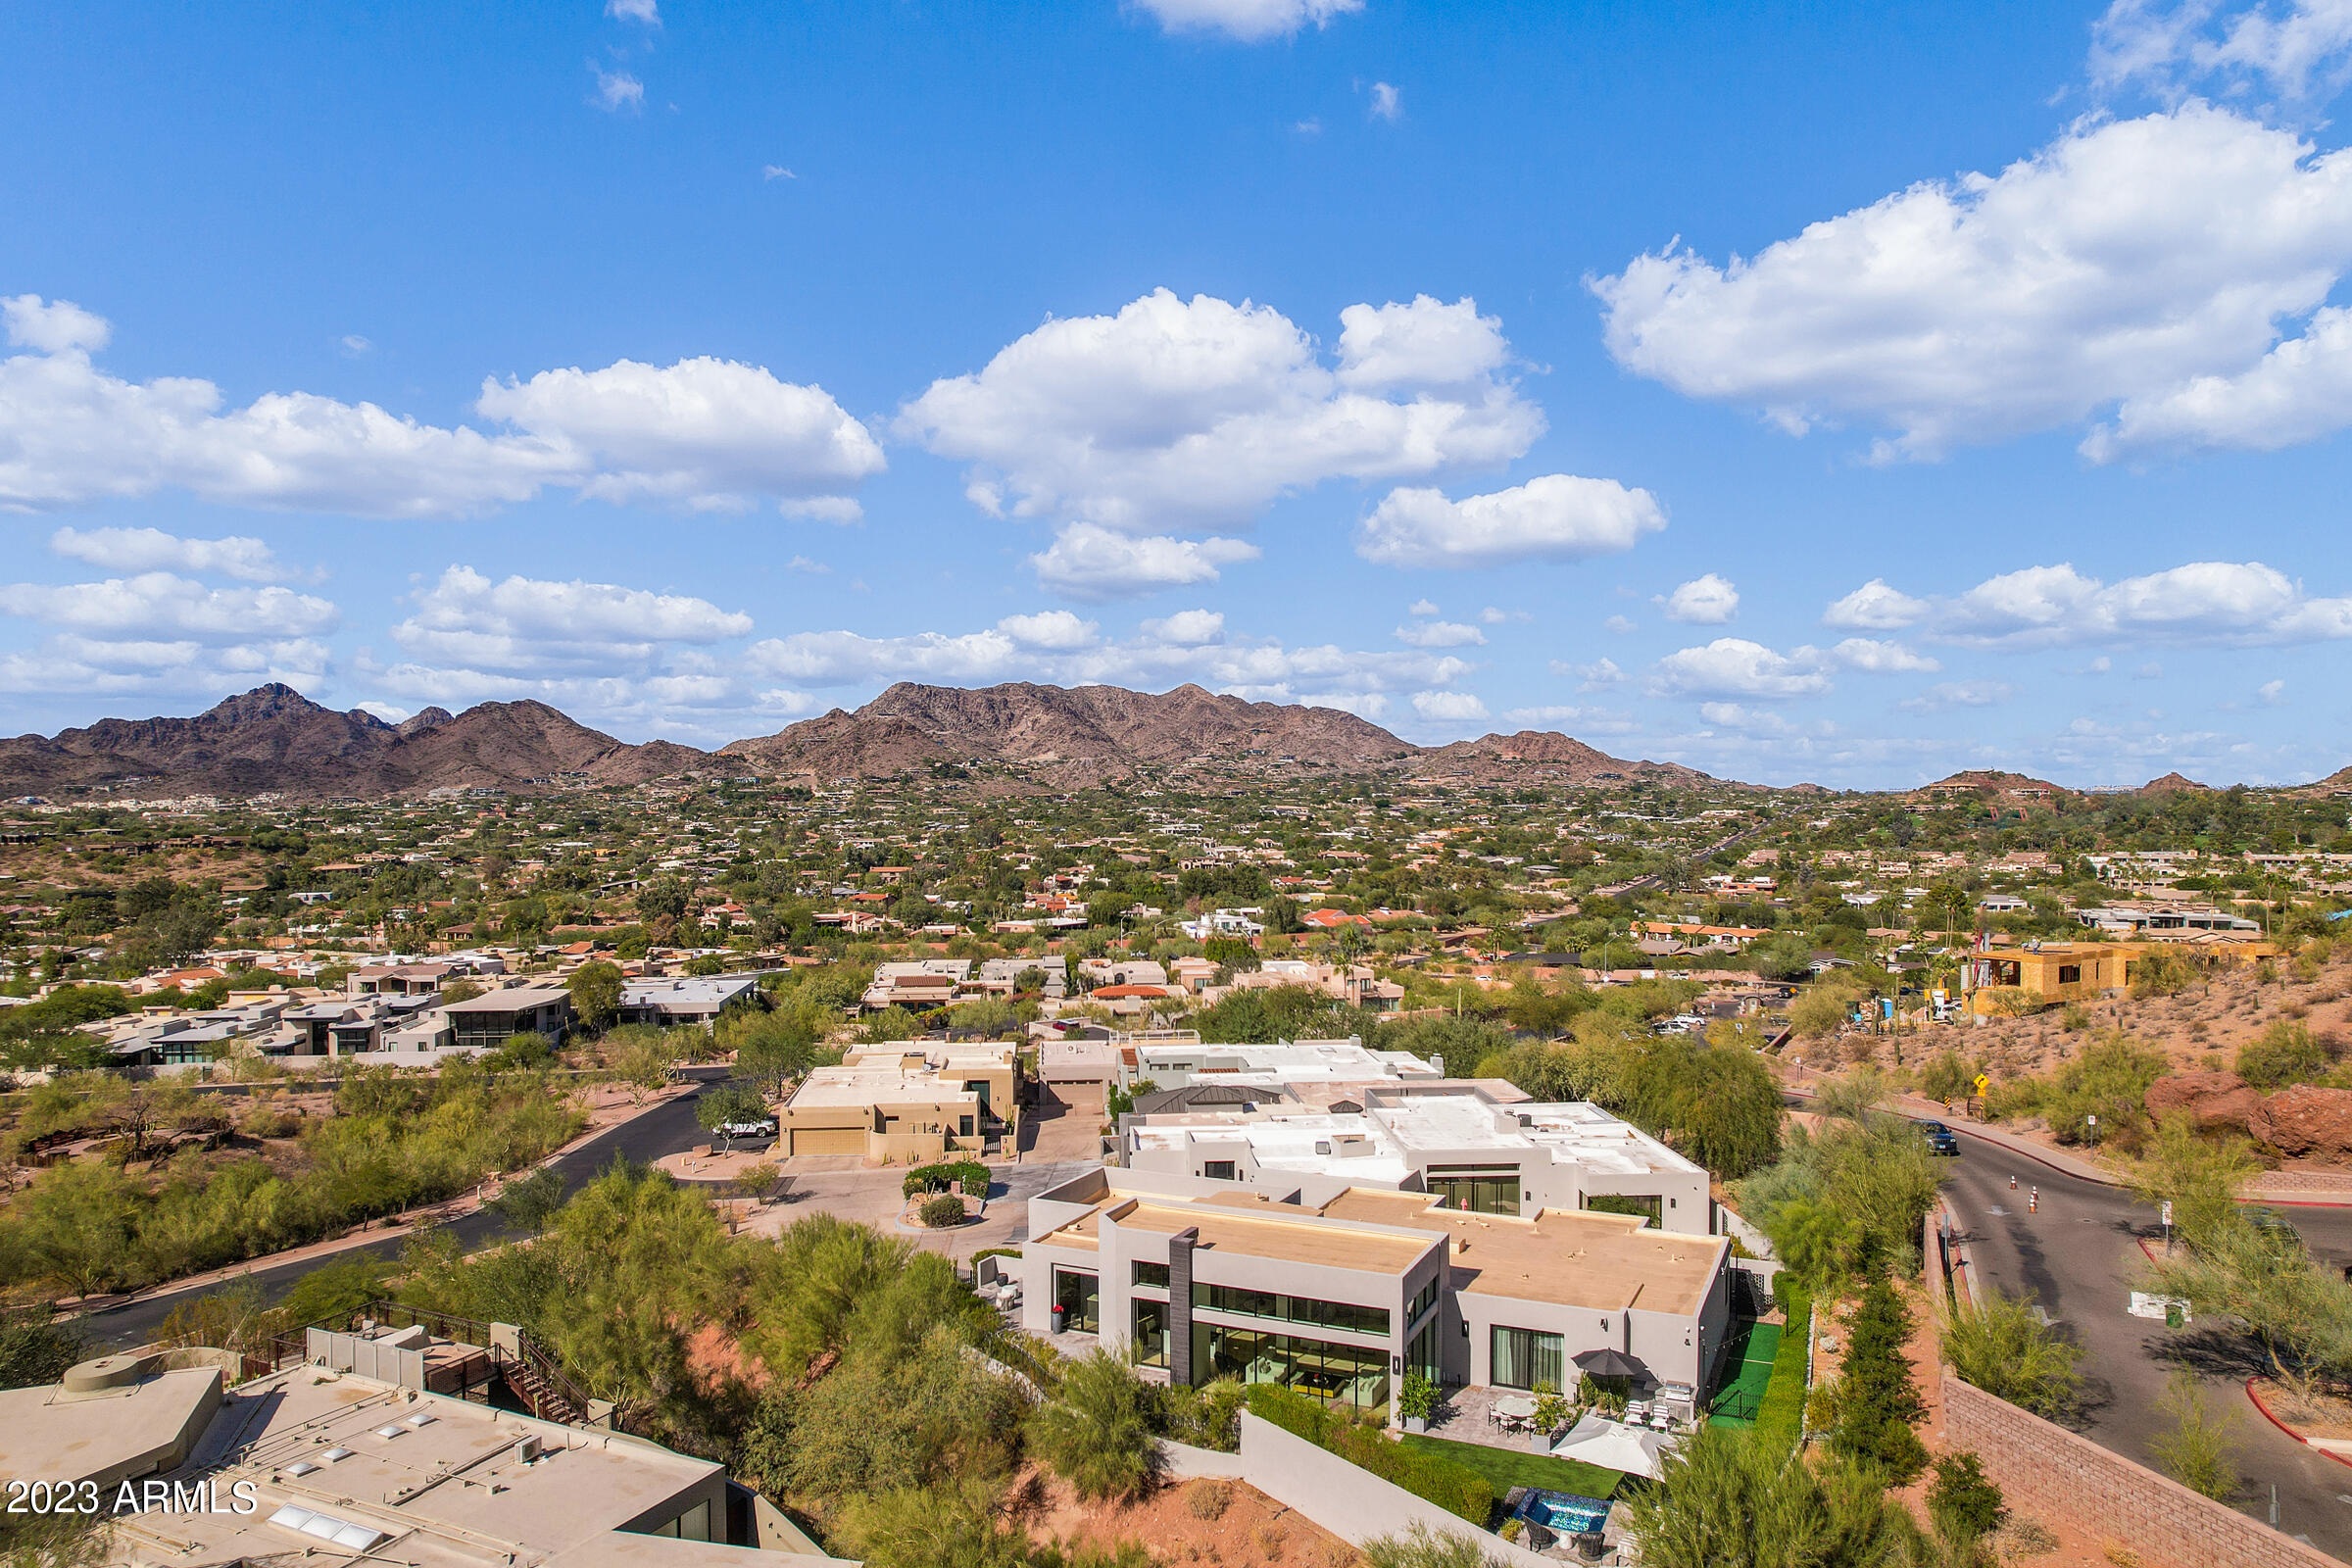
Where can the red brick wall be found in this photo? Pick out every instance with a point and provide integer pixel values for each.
(2048, 1471)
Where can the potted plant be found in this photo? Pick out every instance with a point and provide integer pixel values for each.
(1416, 1398)
(1551, 1412)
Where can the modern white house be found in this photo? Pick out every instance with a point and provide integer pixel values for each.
(1465, 1141)
(1340, 1291)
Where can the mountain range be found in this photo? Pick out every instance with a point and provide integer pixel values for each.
(273, 739)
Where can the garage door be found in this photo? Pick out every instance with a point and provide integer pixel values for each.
(828, 1140)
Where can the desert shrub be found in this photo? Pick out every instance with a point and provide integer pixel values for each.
(936, 1177)
(2285, 1053)
(940, 1212)
(2008, 1351)
(1207, 1499)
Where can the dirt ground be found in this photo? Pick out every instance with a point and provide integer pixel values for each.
(1191, 1522)
(2199, 1028)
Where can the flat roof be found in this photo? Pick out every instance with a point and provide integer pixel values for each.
(1277, 1231)
(1607, 1262)
(514, 999)
(49, 1435)
(877, 1086)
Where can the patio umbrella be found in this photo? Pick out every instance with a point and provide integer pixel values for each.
(1630, 1450)
(1609, 1363)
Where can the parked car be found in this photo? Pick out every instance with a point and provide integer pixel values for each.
(1939, 1138)
(2273, 1227)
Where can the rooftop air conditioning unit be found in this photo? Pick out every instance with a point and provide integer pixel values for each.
(529, 1449)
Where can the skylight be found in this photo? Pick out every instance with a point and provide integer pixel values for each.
(328, 1528)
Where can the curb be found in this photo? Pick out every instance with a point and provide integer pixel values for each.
(2325, 1453)
(2101, 1179)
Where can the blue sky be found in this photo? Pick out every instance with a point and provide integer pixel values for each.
(1804, 391)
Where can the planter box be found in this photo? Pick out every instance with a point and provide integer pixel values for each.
(1416, 1423)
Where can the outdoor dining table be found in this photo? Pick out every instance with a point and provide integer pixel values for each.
(1516, 1406)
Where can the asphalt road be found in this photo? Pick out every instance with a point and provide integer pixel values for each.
(2078, 1256)
(666, 1129)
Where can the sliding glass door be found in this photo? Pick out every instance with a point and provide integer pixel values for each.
(1523, 1358)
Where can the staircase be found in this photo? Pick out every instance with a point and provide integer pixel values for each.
(545, 1391)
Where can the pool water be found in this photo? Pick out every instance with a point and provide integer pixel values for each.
(1564, 1512)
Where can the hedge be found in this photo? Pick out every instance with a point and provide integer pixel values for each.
(1455, 1488)
(1780, 1418)
(935, 1178)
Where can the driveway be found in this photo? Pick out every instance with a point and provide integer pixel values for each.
(2077, 1255)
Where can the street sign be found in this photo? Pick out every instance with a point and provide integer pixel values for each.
(1982, 1083)
(2167, 1213)
(2160, 1307)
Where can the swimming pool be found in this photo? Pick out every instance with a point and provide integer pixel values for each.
(1563, 1511)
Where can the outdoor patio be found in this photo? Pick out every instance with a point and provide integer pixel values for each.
(1468, 1414)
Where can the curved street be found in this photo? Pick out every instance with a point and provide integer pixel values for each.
(2078, 1256)
(666, 1129)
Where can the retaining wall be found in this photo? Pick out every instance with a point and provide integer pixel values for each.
(2049, 1472)
(1350, 1501)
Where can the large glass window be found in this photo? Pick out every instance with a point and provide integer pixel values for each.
(1346, 1315)
(1343, 1374)
(1151, 1274)
(1476, 1189)
(1080, 1298)
(1522, 1358)
(1151, 1344)
(1648, 1206)
(1423, 1301)
(1219, 1171)
(1422, 1354)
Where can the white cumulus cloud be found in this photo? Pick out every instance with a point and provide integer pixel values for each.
(1949, 695)
(2122, 262)
(1738, 668)
(153, 550)
(1250, 21)
(1049, 628)
(159, 605)
(709, 432)
(1876, 607)
(1440, 634)
(616, 90)
(522, 625)
(648, 12)
(703, 433)
(1458, 706)
(1187, 628)
(1558, 517)
(1089, 561)
(53, 326)
(1194, 413)
(2298, 48)
(2210, 602)
(1708, 601)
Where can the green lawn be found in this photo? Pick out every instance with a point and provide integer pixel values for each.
(1505, 1469)
(1783, 1415)
(1741, 1398)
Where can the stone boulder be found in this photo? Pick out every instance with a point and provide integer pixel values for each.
(2215, 1100)
(2305, 1121)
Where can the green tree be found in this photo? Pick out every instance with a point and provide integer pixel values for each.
(1878, 1402)
(1729, 1501)
(595, 988)
(334, 1290)
(1096, 1431)
(72, 1227)
(1423, 1547)
(1963, 1501)
(529, 1202)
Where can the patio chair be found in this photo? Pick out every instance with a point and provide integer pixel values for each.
(1661, 1419)
(1637, 1413)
